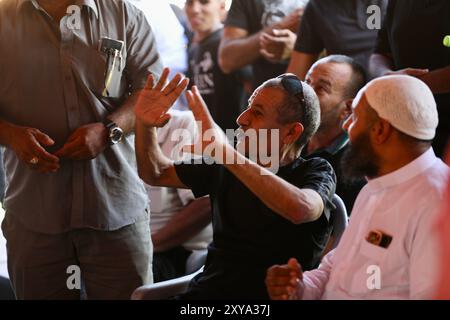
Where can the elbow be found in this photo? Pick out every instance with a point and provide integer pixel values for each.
(225, 58)
(225, 64)
(304, 213)
(143, 174)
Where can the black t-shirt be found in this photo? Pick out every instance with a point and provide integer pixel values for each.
(248, 237)
(253, 16)
(413, 35)
(339, 27)
(224, 94)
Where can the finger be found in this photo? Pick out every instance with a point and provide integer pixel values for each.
(162, 79)
(172, 84)
(150, 82)
(200, 103)
(165, 118)
(277, 270)
(79, 155)
(38, 151)
(296, 268)
(284, 280)
(280, 32)
(68, 149)
(417, 72)
(43, 139)
(267, 55)
(268, 38)
(175, 94)
(278, 293)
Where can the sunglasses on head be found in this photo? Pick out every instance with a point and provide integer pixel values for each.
(293, 86)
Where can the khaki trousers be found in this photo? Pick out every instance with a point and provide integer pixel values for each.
(111, 264)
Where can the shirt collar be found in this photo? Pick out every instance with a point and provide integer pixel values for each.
(338, 143)
(88, 3)
(405, 173)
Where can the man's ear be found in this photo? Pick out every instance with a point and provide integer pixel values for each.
(381, 131)
(294, 133)
(346, 110)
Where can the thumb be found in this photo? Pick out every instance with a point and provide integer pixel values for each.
(281, 32)
(295, 267)
(44, 139)
(417, 72)
(163, 120)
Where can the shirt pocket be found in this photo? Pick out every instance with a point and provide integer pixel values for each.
(368, 276)
(108, 73)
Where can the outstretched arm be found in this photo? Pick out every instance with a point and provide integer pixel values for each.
(151, 113)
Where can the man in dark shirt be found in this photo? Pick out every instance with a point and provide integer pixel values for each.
(336, 80)
(247, 22)
(338, 27)
(411, 42)
(224, 94)
(259, 218)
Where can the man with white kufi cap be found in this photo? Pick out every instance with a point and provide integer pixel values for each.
(387, 251)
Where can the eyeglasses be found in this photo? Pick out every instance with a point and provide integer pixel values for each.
(293, 86)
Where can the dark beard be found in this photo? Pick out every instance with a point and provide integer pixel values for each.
(359, 160)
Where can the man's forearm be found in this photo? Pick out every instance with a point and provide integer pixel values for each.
(237, 53)
(292, 203)
(150, 159)
(124, 116)
(186, 223)
(438, 80)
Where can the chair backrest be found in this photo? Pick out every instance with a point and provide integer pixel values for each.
(339, 219)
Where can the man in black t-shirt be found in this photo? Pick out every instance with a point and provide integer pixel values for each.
(224, 94)
(411, 42)
(247, 23)
(260, 218)
(338, 27)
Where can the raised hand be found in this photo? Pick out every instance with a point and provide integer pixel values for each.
(285, 282)
(155, 100)
(210, 135)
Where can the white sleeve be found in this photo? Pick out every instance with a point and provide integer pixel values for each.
(316, 280)
(424, 258)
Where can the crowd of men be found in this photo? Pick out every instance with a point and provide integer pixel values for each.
(287, 106)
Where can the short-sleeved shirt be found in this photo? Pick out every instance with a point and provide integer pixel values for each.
(255, 15)
(249, 237)
(339, 27)
(413, 35)
(223, 93)
(52, 79)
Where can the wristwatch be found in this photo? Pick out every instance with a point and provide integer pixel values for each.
(115, 132)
